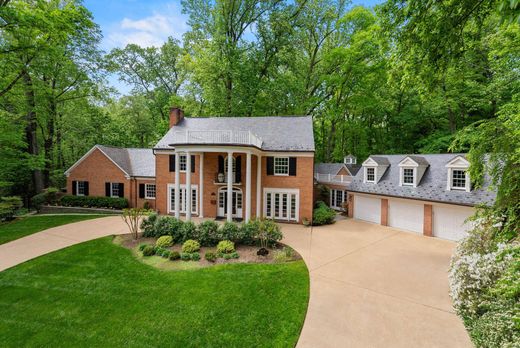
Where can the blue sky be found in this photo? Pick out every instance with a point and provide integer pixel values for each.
(146, 23)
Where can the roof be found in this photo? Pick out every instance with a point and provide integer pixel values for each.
(432, 186)
(328, 168)
(380, 160)
(278, 133)
(133, 162)
(420, 160)
(353, 168)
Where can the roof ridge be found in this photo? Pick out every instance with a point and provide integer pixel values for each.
(260, 116)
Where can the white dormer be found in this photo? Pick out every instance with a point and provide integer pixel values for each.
(349, 159)
(458, 176)
(411, 170)
(374, 168)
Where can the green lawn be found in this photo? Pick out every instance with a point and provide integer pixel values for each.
(98, 294)
(24, 226)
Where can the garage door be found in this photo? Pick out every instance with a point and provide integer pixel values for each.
(405, 215)
(448, 221)
(367, 208)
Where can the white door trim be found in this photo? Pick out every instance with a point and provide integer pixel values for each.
(182, 203)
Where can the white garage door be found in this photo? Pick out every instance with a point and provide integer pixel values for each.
(405, 215)
(448, 221)
(367, 208)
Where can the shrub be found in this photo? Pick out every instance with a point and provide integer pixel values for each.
(229, 231)
(185, 256)
(208, 233)
(168, 225)
(268, 233)
(48, 196)
(142, 246)
(148, 250)
(94, 202)
(225, 247)
(190, 246)
(166, 254)
(164, 241)
(188, 231)
(323, 215)
(195, 256)
(279, 256)
(227, 256)
(146, 205)
(234, 255)
(210, 256)
(174, 255)
(249, 232)
(148, 225)
(289, 252)
(9, 206)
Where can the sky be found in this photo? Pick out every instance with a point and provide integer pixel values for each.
(144, 22)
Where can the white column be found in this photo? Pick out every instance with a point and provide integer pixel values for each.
(230, 187)
(177, 185)
(258, 186)
(201, 185)
(248, 187)
(189, 197)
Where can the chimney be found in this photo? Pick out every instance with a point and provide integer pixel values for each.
(176, 116)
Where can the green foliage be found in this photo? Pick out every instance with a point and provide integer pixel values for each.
(234, 255)
(279, 256)
(268, 233)
(148, 250)
(164, 241)
(208, 233)
(9, 207)
(190, 246)
(185, 256)
(142, 246)
(148, 225)
(322, 214)
(94, 202)
(225, 247)
(174, 255)
(156, 226)
(227, 256)
(166, 254)
(210, 256)
(49, 196)
(189, 231)
(249, 232)
(195, 256)
(229, 231)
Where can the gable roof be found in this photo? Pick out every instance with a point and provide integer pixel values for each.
(353, 168)
(379, 160)
(131, 161)
(328, 168)
(432, 186)
(278, 133)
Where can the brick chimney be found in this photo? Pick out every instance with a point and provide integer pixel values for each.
(176, 116)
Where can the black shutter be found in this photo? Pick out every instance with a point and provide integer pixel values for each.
(86, 188)
(172, 163)
(74, 184)
(221, 164)
(121, 190)
(270, 165)
(107, 189)
(141, 190)
(238, 169)
(292, 166)
(192, 163)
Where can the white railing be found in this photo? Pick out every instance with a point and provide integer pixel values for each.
(333, 179)
(217, 137)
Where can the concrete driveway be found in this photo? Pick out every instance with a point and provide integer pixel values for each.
(375, 286)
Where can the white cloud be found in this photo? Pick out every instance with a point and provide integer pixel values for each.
(148, 31)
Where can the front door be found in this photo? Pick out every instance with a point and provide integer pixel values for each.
(236, 204)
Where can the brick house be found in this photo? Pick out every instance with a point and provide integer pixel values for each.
(265, 164)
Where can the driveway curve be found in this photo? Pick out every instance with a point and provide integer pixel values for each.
(371, 286)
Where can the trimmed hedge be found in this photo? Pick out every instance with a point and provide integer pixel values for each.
(323, 215)
(94, 202)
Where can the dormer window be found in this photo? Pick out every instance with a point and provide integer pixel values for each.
(458, 179)
(371, 174)
(458, 176)
(408, 176)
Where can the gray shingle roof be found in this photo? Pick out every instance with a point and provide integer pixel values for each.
(278, 133)
(419, 160)
(353, 168)
(380, 160)
(431, 188)
(328, 168)
(135, 162)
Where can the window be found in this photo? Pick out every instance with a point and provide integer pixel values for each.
(114, 189)
(337, 197)
(183, 199)
(281, 166)
(281, 204)
(458, 179)
(80, 188)
(234, 166)
(182, 163)
(371, 175)
(149, 191)
(408, 176)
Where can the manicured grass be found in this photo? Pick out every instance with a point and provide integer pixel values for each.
(25, 226)
(97, 294)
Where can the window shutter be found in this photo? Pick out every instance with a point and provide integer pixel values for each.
(292, 166)
(221, 164)
(74, 184)
(172, 163)
(141, 190)
(238, 168)
(107, 189)
(270, 165)
(121, 190)
(193, 163)
(86, 188)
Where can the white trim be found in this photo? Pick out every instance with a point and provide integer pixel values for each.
(201, 184)
(112, 190)
(365, 177)
(248, 187)
(77, 187)
(274, 165)
(230, 187)
(235, 149)
(177, 202)
(67, 172)
(258, 186)
(146, 191)
(183, 209)
(288, 191)
(189, 195)
(239, 211)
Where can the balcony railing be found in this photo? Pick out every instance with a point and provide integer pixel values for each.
(217, 137)
(333, 179)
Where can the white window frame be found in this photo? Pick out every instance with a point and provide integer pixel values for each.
(112, 190)
(289, 193)
(183, 162)
(333, 198)
(414, 176)
(466, 179)
(280, 166)
(146, 186)
(183, 202)
(366, 175)
(78, 188)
